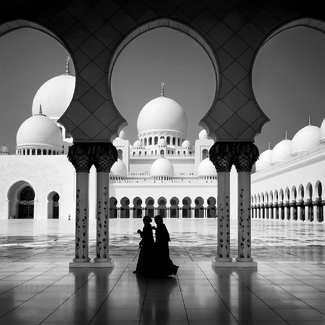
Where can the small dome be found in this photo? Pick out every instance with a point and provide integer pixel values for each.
(203, 134)
(39, 131)
(119, 169)
(55, 96)
(306, 139)
(4, 150)
(206, 168)
(162, 167)
(281, 152)
(162, 114)
(122, 135)
(186, 144)
(322, 132)
(162, 142)
(264, 160)
(137, 144)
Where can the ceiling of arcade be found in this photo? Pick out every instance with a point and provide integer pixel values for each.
(93, 31)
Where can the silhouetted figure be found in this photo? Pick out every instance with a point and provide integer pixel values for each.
(145, 265)
(164, 265)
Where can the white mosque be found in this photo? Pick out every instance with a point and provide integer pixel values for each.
(161, 172)
(288, 180)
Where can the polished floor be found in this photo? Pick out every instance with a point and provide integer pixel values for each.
(37, 286)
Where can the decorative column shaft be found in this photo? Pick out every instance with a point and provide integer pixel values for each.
(245, 156)
(104, 156)
(80, 156)
(221, 155)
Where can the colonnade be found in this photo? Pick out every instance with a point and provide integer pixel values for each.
(103, 155)
(83, 156)
(243, 155)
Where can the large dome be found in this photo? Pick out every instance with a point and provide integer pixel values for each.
(162, 167)
(54, 96)
(306, 139)
(162, 114)
(206, 168)
(39, 131)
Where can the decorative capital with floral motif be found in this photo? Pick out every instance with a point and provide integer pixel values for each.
(80, 156)
(104, 156)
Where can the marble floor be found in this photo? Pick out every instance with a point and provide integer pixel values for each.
(37, 286)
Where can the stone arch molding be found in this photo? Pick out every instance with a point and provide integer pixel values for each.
(92, 31)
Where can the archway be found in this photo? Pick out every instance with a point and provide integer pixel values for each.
(26, 203)
(292, 53)
(137, 207)
(14, 200)
(162, 207)
(41, 55)
(161, 64)
(149, 209)
(53, 206)
(113, 208)
(174, 207)
(186, 210)
(199, 209)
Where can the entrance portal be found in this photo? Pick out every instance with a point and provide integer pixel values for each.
(26, 203)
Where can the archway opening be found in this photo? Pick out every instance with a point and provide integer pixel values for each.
(33, 60)
(287, 78)
(26, 203)
(53, 206)
(168, 52)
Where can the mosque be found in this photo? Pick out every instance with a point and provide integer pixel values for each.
(288, 180)
(161, 172)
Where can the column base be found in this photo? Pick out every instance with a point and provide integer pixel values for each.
(233, 263)
(97, 263)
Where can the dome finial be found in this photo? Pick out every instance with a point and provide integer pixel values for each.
(286, 136)
(269, 146)
(309, 120)
(67, 66)
(40, 109)
(162, 92)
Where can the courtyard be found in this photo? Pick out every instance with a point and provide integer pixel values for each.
(37, 286)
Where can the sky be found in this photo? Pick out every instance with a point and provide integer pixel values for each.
(288, 79)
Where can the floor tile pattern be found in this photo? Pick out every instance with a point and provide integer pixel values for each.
(37, 286)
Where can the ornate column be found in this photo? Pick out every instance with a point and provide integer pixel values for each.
(246, 155)
(221, 155)
(80, 156)
(104, 156)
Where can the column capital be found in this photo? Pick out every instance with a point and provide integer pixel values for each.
(104, 156)
(80, 156)
(245, 156)
(222, 156)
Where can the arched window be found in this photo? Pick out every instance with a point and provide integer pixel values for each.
(156, 140)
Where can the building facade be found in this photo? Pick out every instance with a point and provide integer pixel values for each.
(288, 181)
(160, 172)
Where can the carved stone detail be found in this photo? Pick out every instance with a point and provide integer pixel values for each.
(104, 156)
(80, 155)
(222, 155)
(245, 156)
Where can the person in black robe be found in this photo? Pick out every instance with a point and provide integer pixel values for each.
(145, 265)
(164, 265)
